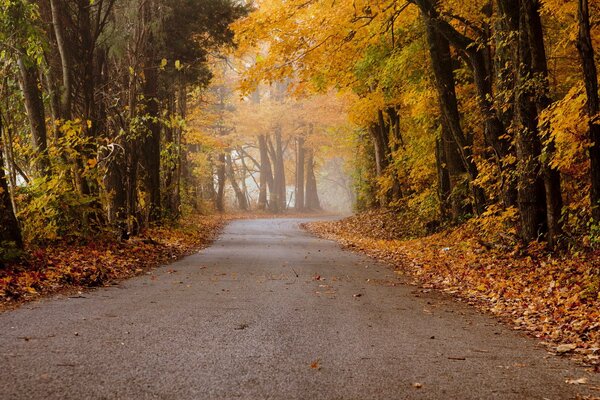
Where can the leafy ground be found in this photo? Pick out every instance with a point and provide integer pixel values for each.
(62, 266)
(554, 298)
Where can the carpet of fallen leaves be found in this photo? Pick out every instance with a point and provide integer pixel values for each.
(555, 298)
(101, 261)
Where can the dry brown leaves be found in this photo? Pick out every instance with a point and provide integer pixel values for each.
(102, 261)
(554, 298)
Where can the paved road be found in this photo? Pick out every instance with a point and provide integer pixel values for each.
(246, 319)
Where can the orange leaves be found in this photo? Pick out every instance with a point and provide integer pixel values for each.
(98, 263)
(555, 299)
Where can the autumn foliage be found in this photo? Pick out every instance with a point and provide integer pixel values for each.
(554, 299)
(102, 261)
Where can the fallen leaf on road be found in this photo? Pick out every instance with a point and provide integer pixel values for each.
(417, 385)
(580, 381)
(565, 348)
(316, 364)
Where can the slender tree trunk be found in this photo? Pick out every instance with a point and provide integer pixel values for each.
(10, 231)
(66, 90)
(220, 195)
(312, 196)
(531, 191)
(274, 191)
(395, 143)
(300, 161)
(456, 174)
(379, 148)
(239, 193)
(280, 171)
(551, 175)
(151, 156)
(444, 189)
(34, 105)
(116, 183)
(266, 174)
(590, 75)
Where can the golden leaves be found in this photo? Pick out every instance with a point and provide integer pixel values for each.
(555, 299)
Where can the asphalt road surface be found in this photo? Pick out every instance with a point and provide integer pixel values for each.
(270, 312)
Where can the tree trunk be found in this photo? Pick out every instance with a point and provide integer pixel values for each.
(551, 176)
(151, 146)
(278, 202)
(34, 105)
(590, 75)
(531, 192)
(300, 161)
(239, 193)
(10, 232)
(312, 196)
(66, 90)
(457, 200)
(274, 191)
(116, 183)
(441, 60)
(220, 195)
(444, 189)
(266, 173)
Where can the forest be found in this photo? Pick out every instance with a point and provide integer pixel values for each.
(456, 141)
(464, 109)
(120, 116)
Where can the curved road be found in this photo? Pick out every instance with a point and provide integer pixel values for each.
(270, 312)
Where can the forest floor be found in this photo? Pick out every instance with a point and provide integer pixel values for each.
(102, 261)
(554, 298)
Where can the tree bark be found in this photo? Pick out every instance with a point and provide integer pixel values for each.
(312, 196)
(151, 145)
(590, 75)
(531, 191)
(239, 193)
(66, 90)
(266, 173)
(300, 161)
(441, 60)
(10, 232)
(34, 106)
(220, 195)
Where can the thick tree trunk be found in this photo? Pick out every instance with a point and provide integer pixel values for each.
(300, 161)
(590, 75)
(439, 49)
(551, 176)
(531, 191)
(32, 94)
(10, 232)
